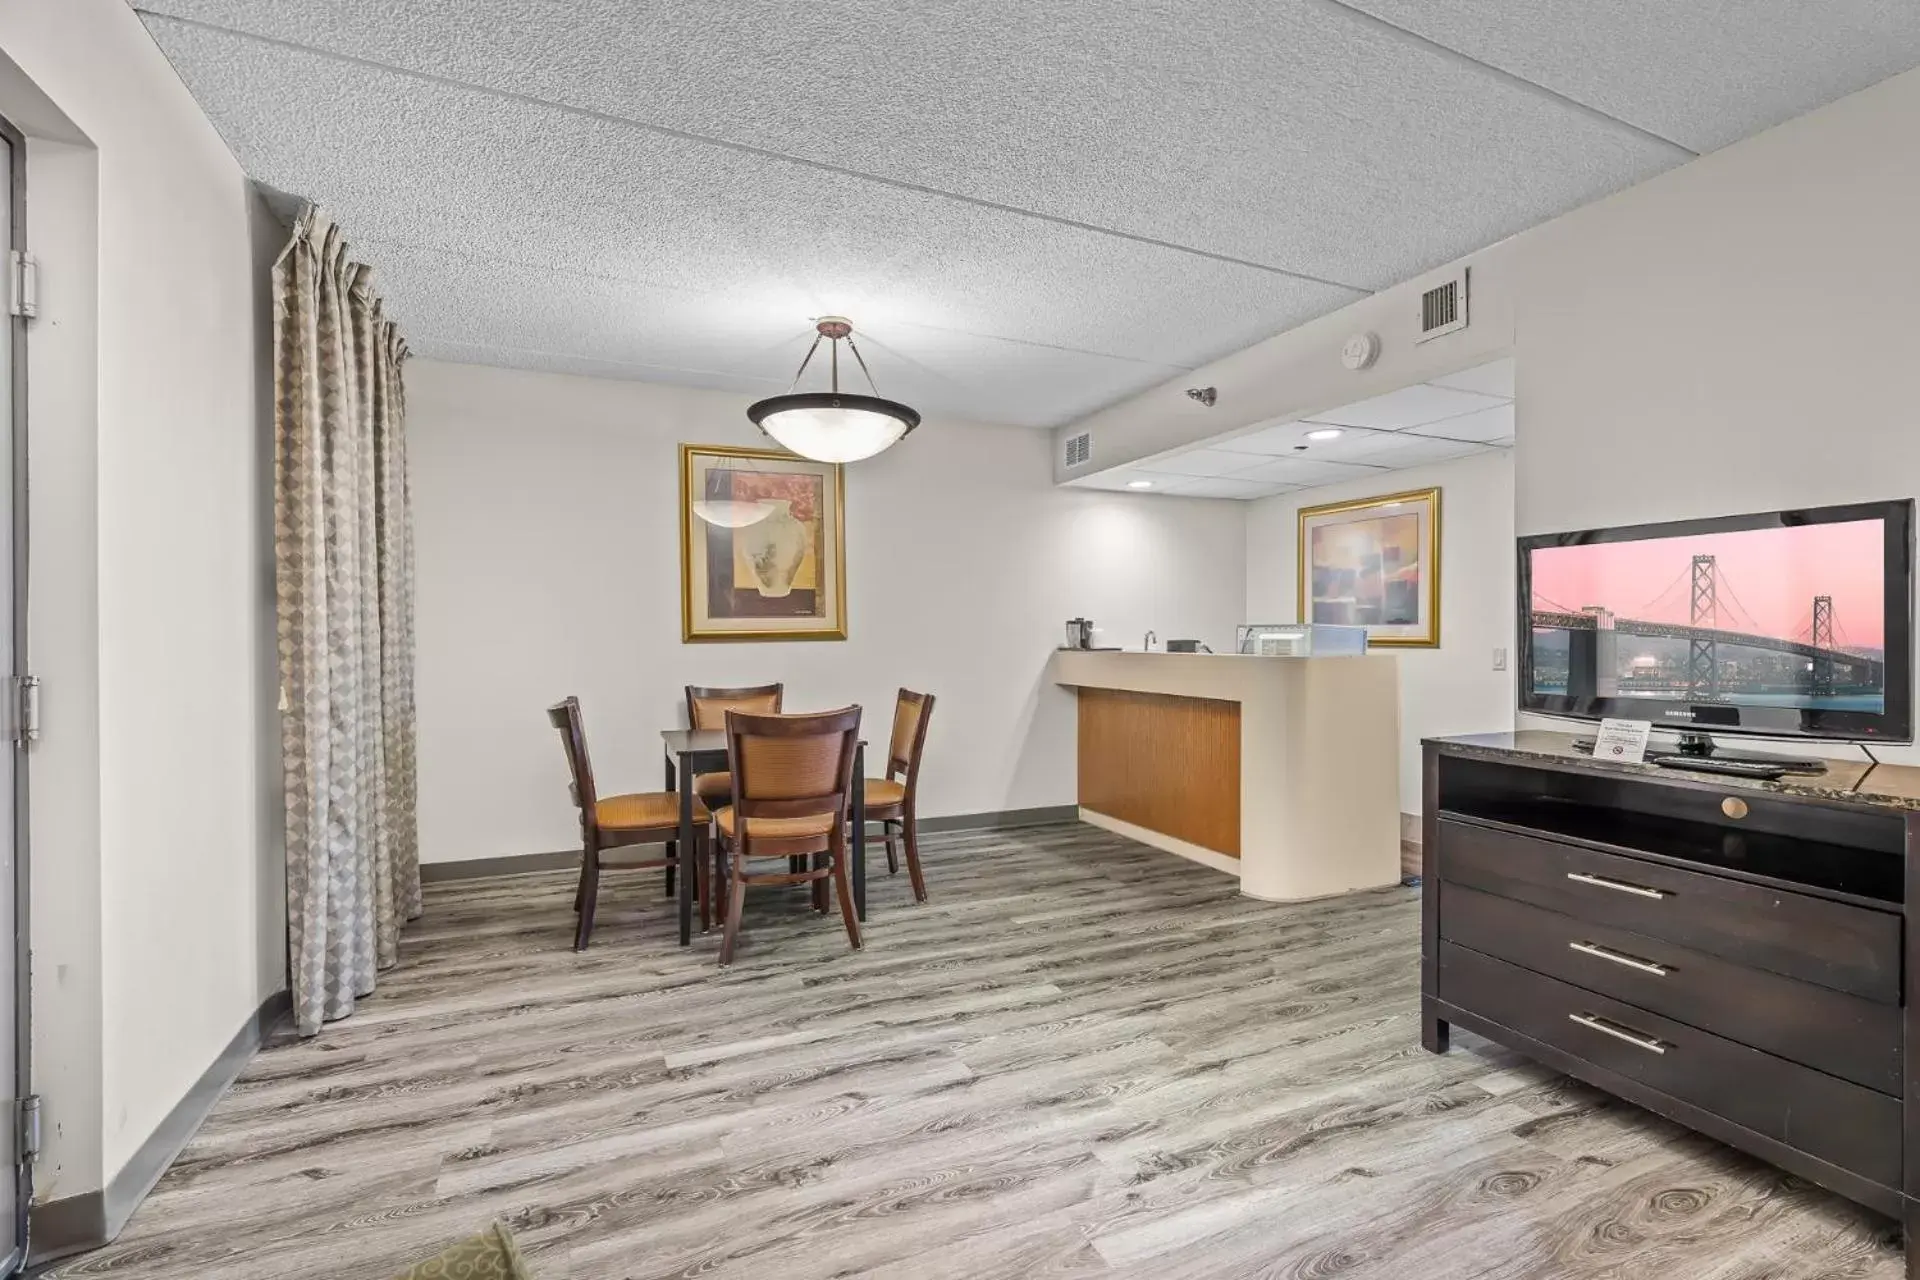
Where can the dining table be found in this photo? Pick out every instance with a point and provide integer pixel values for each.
(691, 752)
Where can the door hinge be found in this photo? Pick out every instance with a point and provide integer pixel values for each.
(27, 1111)
(23, 285)
(26, 709)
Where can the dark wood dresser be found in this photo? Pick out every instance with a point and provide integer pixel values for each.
(1729, 953)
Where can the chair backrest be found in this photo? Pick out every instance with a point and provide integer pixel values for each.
(911, 711)
(792, 766)
(565, 717)
(707, 708)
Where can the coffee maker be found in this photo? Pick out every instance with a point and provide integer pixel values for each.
(1079, 633)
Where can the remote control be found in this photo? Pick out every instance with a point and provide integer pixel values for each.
(1707, 764)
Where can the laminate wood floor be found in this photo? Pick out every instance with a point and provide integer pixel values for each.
(1084, 1057)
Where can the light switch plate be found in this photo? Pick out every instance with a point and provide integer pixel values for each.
(1499, 659)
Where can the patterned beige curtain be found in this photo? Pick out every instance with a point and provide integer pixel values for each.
(343, 547)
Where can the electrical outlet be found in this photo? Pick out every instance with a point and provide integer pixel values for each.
(1499, 659)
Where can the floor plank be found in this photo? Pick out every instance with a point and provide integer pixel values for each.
(1082, 1058)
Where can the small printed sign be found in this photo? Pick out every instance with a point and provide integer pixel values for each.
(1624, 741)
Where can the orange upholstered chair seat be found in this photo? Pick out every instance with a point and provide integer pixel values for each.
(625, 823)
(713, 786)
(812, 826)
(644, 809)
(884, 793)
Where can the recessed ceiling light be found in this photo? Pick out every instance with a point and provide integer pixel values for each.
(1139, 484)
(1325, 433)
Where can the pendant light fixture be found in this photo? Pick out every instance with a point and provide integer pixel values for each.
(833, 425)
(731, 513)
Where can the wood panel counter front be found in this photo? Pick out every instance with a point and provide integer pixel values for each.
(1284, 771)
(1164, 762)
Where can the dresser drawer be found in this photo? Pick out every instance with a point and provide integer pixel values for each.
(1833, 1120)
(1843, 1035)
(1847, 948)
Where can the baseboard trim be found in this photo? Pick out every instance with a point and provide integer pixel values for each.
(521, 864)
(1044, 816)
(518, 864)
(59, 1229)
(1159, 840)
(75, 1224)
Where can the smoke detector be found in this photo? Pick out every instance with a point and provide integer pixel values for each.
(1361, 350)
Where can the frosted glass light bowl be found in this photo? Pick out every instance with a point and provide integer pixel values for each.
(829, 426)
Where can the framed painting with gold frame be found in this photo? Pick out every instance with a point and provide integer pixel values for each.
(762, 546)
(1374, 563)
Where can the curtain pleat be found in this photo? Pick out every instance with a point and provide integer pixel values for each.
(343, 550)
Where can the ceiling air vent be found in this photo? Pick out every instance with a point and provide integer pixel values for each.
(1443, 308)
(1080, 449)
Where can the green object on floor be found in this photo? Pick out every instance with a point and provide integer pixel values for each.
(491, 1255)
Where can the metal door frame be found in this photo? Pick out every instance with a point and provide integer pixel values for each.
(17, 606)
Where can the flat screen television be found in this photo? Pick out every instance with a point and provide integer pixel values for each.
(1786, 624)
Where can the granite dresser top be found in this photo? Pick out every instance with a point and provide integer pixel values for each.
(1892, 786)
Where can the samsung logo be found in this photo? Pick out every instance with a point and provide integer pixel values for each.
(1684, 714)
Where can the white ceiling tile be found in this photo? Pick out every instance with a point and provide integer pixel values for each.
(691, 256)
(1202, 462)
(1259, 133)
(1281, 441)
(1702, 74)
(1353, 444)
(1087, 198)
(1481, 425)
(1122, 479)
(1229, 488)
(1407, 407)
(1300, 471)
(449, 300)
(1416, 452)
(1272, 442)
(1494, 378)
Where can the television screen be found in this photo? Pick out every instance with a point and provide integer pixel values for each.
(1789, 622)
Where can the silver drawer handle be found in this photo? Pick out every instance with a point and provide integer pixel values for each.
(1632, 962)
(1618, 886)
(1605, 1028)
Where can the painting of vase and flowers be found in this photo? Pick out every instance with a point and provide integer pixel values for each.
(761, 554)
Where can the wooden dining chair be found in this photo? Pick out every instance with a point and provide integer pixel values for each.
(707, 709)
(792, 785)
(615, 822)
(891, 800)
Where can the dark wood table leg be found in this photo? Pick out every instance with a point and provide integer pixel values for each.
(859, 868)
(688, 874)
(673, 850)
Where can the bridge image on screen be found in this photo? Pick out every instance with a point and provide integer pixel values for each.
(1785, 617)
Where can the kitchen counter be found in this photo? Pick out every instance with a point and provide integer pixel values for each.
(1284, 771)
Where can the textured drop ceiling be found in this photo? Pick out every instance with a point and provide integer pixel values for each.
(1029, 209)
(1452, 417)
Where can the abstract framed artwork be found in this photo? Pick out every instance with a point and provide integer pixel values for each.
(762, 546)
(1374, 563)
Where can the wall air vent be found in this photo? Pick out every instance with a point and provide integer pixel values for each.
(1080, 449)
(1443, 308)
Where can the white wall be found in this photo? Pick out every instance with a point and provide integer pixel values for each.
(1451, 689)
(1737, 335)
(159, 930)
(546, 515)
(1733, 336)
